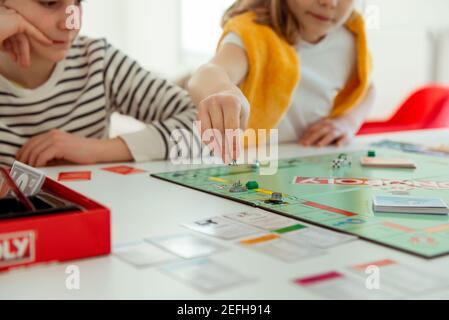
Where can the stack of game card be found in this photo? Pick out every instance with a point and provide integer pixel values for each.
(395, 163)
(412, 205)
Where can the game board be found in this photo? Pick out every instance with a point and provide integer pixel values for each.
(341, 199)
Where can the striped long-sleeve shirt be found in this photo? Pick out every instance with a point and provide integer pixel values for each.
(92, 82)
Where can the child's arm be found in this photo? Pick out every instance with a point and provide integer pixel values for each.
(214, 89)
(163, 106)
(57, 145)
(132, 91)
(340, 130)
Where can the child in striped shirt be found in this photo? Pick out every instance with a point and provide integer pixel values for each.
(58, 91)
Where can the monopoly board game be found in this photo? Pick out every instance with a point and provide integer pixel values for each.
(341, 198)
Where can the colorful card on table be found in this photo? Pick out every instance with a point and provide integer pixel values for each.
(123, 170)
(409, 279)
(205, 275)
(338, 286)
(321, 238)
(143, 254)
(264, 220)
(187, 246)
(75, 176)
(222, 228)
(280, 249)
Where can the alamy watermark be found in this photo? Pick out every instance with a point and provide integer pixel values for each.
(73, 279)
(373, 280)
(73, 21)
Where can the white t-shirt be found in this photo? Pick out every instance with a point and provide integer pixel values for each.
(325, 70)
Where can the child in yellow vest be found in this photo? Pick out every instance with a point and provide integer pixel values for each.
(301, 66)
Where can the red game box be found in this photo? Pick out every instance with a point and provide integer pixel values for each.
(72, 227)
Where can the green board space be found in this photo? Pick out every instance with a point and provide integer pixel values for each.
(341, 199)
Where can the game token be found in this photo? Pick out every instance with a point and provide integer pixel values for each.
(276, 198)
(237, 187)
(371, 154)
(251, 185)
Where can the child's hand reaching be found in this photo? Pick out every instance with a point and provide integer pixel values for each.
(15, 34)
(326, 132)
(221, 112)
(57, 146)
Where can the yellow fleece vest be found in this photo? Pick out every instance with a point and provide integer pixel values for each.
(274, 71)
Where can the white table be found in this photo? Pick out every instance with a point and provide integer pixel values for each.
(142, 206)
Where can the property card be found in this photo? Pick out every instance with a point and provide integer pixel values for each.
(321, 238)
(187, 246)
(205, 275)
(142, 254)
(264, 220)
(405, 278)
(123, 170)
(388, 163)
(337, 286)
(222, 228)
(75, 176)
(280, 249)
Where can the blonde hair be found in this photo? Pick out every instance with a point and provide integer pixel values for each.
(273, 13)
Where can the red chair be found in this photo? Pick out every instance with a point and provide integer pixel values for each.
(427, 108)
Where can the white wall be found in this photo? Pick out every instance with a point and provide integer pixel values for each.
(147, 30)
(403, 50)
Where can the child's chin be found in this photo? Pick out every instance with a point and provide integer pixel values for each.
(54, 57)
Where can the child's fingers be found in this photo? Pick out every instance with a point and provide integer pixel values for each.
(25, 152)
(204, 118)
(313, 139)
(317, 125)
(7, 46)
(45, 157)
(343, 140)
(216, 117)
(314, 128)
(328, 139)
(217, 129)
(231, 122)
(207, 135)
(309, 136)
(231, 112)
(24, 47)
(16, 49)
(244, 112)
(244, 118)
(37, 150)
